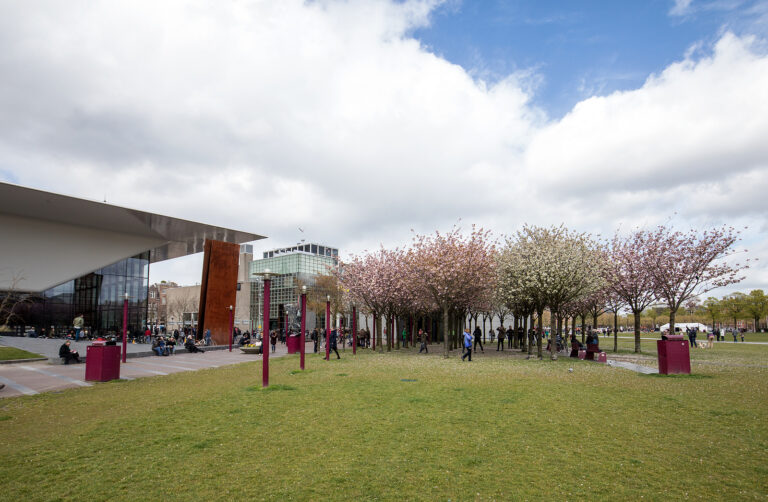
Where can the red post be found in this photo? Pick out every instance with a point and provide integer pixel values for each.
(231, 326)
(328, 330)
(303, 326)
(265, 337)
(354, 330)
(125, 326)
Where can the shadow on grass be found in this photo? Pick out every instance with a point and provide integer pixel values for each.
(271, 388)
(693, 376)
(299, 372)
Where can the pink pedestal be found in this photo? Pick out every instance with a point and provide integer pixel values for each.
(582, 354)
(602, 357)
(293, 343)
(102, 363)
(674, 356)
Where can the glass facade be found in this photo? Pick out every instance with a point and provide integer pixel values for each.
(98, 296)
(288, 270)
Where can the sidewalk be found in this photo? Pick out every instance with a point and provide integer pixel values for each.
(36, 377)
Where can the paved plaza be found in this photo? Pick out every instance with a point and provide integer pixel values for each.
(41, 376)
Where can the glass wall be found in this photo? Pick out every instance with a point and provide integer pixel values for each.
(98, 296)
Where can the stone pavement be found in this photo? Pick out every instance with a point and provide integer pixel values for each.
(40, 376)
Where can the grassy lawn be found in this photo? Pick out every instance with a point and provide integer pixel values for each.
(11, 353)
(397, 427)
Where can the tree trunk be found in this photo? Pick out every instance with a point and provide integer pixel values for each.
(398, 332)
(672, 323)
(524, 341)
(637, 331)
(616, 331)
(540, 334)
(583, 328)
(377, 326)
(447, 351)
(483, 333)
(573, 325)
(553, 336)
(515, 324)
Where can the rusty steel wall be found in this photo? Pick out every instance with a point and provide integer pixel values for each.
(218, 289)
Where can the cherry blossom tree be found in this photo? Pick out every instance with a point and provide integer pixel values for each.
(553, 267)
(629, 275)
(453, 271)
(684, 265)
(614, 304)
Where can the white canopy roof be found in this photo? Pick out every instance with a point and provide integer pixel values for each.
(685, 325)
(48, 238)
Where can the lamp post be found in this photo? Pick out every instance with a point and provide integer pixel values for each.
(354, 329)
(328, 327)
(231, 326)
(265, 330)
(303, 324)
(125, 325)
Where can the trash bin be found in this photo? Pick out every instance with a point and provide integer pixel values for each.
(674, 355)
(293, 344)
(102, 362)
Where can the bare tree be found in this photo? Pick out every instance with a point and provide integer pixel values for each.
(11, 299)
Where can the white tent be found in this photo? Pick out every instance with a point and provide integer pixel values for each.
(682, 326)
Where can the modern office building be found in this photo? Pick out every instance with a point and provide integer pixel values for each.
(290, 267)
(182, 302)
(67, 256)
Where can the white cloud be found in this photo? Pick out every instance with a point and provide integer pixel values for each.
(266, 116)
(680, 7)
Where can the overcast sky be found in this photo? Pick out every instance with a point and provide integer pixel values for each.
(359, 121)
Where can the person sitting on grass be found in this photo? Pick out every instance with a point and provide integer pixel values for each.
(68, 354)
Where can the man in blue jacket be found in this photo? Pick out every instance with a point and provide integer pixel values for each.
(467, 345)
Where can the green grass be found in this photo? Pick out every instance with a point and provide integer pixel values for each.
(12, 353)
(397, 427)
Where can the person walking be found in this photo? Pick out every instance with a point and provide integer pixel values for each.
(500, 343)
(333, 341)
(207, 337)
(314, 337)
(478, 335)
(423, 342)
(467, 345)
(510, 337)
(273, 340)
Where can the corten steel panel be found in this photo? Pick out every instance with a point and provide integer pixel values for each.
(218, 289)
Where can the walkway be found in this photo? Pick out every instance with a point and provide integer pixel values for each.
(36, 377)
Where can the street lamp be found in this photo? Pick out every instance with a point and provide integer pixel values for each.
(265, 329)
(125, 325)
(354, 329)
(231, 326)
(303, 324)
(327, 327)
